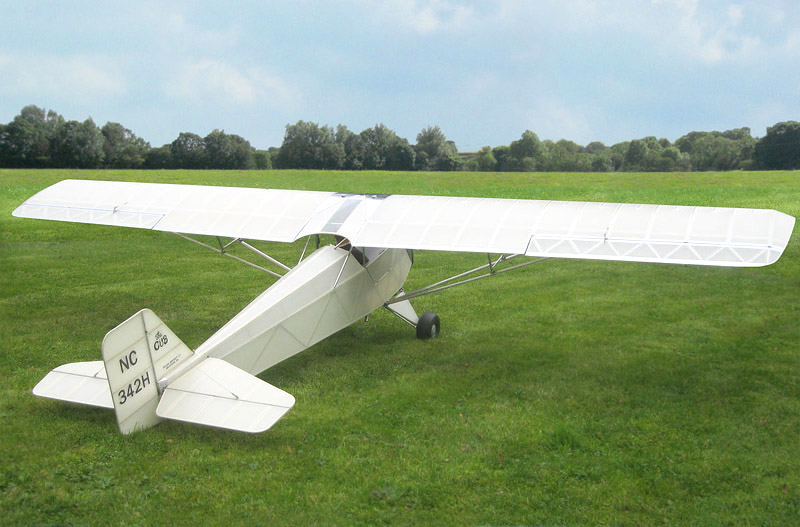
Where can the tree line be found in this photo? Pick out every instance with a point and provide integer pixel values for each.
(43, 139)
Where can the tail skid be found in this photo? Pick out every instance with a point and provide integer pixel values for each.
(138, 354)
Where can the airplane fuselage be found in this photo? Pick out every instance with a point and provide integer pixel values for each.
(323, 294)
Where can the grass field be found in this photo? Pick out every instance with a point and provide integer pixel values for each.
(568, 393)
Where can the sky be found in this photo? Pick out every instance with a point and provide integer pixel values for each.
(484, 71)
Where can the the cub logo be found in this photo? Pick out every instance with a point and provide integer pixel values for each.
(160, 341)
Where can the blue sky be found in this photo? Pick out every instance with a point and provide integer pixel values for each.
(484, 71)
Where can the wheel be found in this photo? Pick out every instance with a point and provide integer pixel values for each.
(428, 326)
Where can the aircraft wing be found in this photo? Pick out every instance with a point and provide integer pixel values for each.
(569, 229)
(256, 214)
(605, 231)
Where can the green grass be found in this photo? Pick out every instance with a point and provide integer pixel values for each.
(568, 393)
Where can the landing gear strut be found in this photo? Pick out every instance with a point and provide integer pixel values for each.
(428, 324)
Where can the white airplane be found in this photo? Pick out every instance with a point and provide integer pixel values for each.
(148, 374)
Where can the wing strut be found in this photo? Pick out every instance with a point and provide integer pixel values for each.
(461, 278)
(223, 251)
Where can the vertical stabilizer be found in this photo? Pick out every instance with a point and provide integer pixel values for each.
(137, 353)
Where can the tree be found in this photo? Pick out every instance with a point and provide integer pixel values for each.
(738, 134)
(503, 158)
(188, 151)
(6, 147)
(651, 154)
(601, 162)
(485, 160)
(377, 148)
(262, 160)
(713, 152)
(434, 151)
(616, 153)
(717, 150)
(780, 148)
(242, 152)
(350, 144)
(595, 147)
(121, 147)
(527, 152)
(564, 156)
(228, 151)
(380, 148)
(374, 144)
(526, 146)
(401, 156)
(26, 140)
(600, 157)
(78, 145)
(672, 159)
(307, 145)
(638, 152)
(218, 150)
(160, 157)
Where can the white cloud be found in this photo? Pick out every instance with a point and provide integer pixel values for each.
(83, 78)
(710, 36)
(217, 82)
(791, 46)
(423, 16)
(710, 32)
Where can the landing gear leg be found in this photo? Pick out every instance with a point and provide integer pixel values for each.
(428, 325)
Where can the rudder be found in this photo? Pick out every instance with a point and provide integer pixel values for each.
(136, 354)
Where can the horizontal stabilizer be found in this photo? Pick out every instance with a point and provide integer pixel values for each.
(216, 393)
(77, 382)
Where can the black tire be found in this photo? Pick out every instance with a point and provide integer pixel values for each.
(428, 326)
